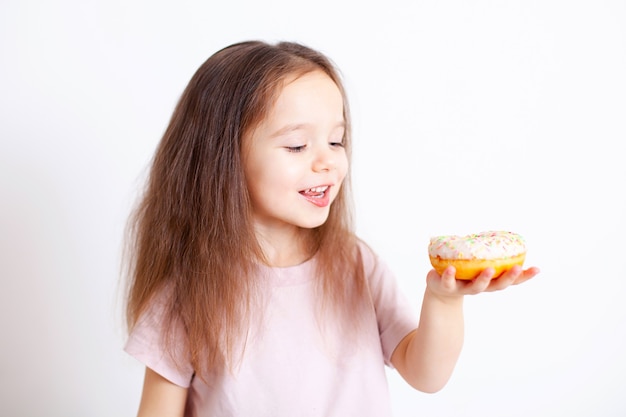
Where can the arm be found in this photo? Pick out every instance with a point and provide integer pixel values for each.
(160, 397)
(426, 357)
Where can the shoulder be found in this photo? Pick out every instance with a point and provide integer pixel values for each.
(158, 340)
(377, 272)
(155, 309)
(371, 262)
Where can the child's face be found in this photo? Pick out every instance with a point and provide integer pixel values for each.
(295, 161)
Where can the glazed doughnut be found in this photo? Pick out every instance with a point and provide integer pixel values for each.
(471, 254)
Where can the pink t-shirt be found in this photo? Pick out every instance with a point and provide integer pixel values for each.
(291, 365)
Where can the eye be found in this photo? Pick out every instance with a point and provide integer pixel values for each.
(336, 144)
(295, 149)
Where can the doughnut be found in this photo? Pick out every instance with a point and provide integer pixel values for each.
(471, 254)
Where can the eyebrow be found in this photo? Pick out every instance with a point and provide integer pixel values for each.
(300, 126)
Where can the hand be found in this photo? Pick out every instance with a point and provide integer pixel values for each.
(446, 285)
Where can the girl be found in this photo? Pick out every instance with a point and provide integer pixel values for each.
(249, 293)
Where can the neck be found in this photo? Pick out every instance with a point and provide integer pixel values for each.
(284, 248)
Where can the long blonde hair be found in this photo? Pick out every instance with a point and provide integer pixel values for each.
(192, 230)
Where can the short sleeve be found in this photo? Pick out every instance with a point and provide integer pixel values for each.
(394, 313)
(145, 343)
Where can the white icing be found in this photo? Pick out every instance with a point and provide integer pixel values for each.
(485, 245)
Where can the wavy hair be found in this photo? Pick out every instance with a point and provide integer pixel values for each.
(192, 233)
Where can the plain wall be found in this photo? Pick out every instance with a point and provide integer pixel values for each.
(468, 116)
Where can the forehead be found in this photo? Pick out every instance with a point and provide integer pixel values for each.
(311, 97)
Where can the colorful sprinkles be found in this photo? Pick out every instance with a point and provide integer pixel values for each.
(484, 245)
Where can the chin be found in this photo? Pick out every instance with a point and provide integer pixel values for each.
(313, 223)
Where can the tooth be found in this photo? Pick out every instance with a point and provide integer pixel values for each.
(319, 189)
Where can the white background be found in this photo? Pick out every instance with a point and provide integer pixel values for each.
(469, 116)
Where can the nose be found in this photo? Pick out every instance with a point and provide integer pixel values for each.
(324, 159)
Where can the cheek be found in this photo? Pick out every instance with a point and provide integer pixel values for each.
(343, 167)
(271, 174)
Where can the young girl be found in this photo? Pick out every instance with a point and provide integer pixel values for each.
(249, 293)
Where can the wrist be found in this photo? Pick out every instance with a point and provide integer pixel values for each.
(444, 298)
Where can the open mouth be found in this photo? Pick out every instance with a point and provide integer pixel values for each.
(315, 192)
(318, 196)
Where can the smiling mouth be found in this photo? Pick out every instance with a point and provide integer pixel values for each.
(318, 196)
(315, 192)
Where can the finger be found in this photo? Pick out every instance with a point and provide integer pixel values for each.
(481, 282)
(505, 280)
(526, 275)
(448, 280)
